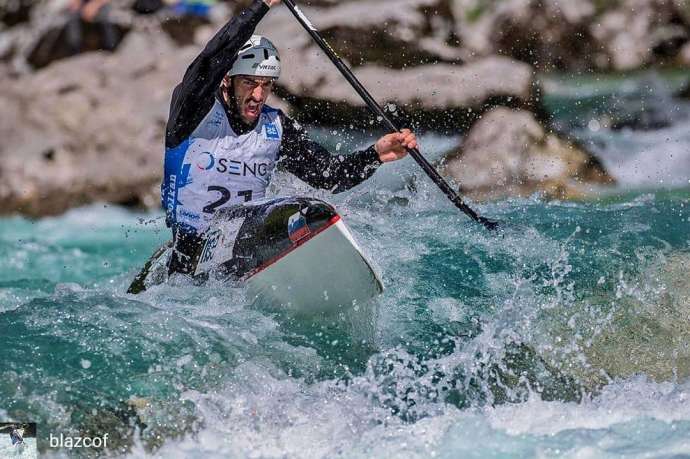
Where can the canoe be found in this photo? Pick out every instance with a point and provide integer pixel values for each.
(292, 252)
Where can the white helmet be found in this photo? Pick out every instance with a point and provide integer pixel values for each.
(258, 57)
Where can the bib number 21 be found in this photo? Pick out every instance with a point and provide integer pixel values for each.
(225, 196)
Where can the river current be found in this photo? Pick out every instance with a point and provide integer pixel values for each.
(565, 335)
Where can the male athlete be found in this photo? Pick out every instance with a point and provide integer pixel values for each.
(223, 143)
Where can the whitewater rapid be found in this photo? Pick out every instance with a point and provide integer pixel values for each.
(564, 335)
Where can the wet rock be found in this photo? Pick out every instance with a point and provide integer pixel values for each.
(578, 35)
(508, 153)
(440, 86)
(42, 39)
(432, 95)
(545, 33)
(647, 334)
(635, 30)
(314, 86)
(88, 129)
(408, 33)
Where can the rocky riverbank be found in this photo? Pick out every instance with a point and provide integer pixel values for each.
(90, 128)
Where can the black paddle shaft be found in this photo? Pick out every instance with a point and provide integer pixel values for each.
(378, 111)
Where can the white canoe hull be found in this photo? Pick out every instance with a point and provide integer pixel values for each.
(325, 273)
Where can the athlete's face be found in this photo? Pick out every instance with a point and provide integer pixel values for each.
(250, 94)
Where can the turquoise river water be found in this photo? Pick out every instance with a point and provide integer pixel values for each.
(566, 335)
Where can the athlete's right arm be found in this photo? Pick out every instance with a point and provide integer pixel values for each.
(194, 96)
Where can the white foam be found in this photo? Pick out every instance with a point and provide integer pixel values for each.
(619, 402)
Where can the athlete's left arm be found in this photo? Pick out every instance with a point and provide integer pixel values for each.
(312, 163)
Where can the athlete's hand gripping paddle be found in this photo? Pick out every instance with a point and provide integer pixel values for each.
(378, 111)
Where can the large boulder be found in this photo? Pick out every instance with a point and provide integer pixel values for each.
(431, 93)
(648, 337)
(404, 33)
(88, 128)
(508, 153)
(41, 37)
(636, 30)
(545, 33)
(575, 35)
(428, 87)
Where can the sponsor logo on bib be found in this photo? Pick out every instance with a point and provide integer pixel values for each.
(205, 161)
(272, 132)
(241, 168)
